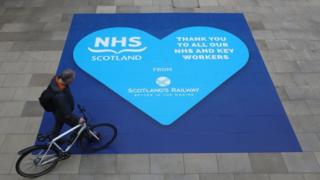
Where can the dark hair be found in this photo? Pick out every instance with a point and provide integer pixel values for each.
(67, 75)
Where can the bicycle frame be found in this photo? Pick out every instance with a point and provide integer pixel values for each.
(82, 127)
(54, 143)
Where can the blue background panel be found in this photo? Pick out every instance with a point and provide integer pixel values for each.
(244, 114)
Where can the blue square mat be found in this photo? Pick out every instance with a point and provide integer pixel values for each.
(175, 83)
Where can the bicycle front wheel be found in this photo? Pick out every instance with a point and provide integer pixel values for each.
(36, 161)
(98, 137)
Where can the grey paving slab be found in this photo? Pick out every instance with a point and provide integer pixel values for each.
(112, 177)
(309, 66)
(146, 177)
(305, 44)
(59, 35)
(2, 138)
(216, 176)
(301, 162)
(101, 2)
(76, 177)
(149, 9)
(13, 143)
(19, 11)
(300, 92)
(200, 163)
(22, 27)
(124, 2)
(314, 106)
(262, 45)
(206, 3)
(298, 55)
(317, 154)
(183, 10)
(2, 78)
(143, 3)
(167, 3)
(306, 124)
(40, 79)
(166, 9)
(34, 3)
(278, 44)
(67, 17)
(167, 163)
(267, 163)
(181, 177)
(251, 177)
(282, 93)
(13, 125)
(263, 34)
(38, 45)
(283, 79)
(106, 9)
(27, 93)
(31, 56)
(11, 108)
(98, 164)
(286, 177)
(32, 126)
(6, 93)
(311, 176)
(12, 67)
(185, 3)
(52, 55)
(127, 164)
(68, 166)
(24, 36)
(306, 78)
(286, 66)
(38, 67)
(56, 26)
(16, 80)
(6, 45)
(233, 162)
(309, 141)
(256, 25)
(6, 163)
(16, 177)
(32, 109)
(297, 108)
(128, 9)
(227, 2)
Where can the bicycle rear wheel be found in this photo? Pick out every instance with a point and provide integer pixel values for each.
(98, 137)
(34, 163)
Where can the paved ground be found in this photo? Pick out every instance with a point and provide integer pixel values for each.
(32, 35)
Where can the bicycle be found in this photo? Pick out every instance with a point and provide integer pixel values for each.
(46, 156)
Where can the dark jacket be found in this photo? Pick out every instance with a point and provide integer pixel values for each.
(63, 102)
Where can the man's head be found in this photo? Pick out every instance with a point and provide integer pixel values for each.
(67, 76)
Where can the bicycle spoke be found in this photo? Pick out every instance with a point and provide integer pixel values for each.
(36, 162)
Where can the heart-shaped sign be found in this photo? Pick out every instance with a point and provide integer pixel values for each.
(166, 77)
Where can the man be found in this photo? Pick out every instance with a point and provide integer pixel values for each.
(63, 101)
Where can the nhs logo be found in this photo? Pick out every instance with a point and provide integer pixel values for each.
(117, 45)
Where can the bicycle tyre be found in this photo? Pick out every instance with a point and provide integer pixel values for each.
(31, 150)
(87, 147)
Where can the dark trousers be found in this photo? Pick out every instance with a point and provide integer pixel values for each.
(60, 122)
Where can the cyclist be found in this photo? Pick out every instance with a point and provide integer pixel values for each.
(63, 102)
